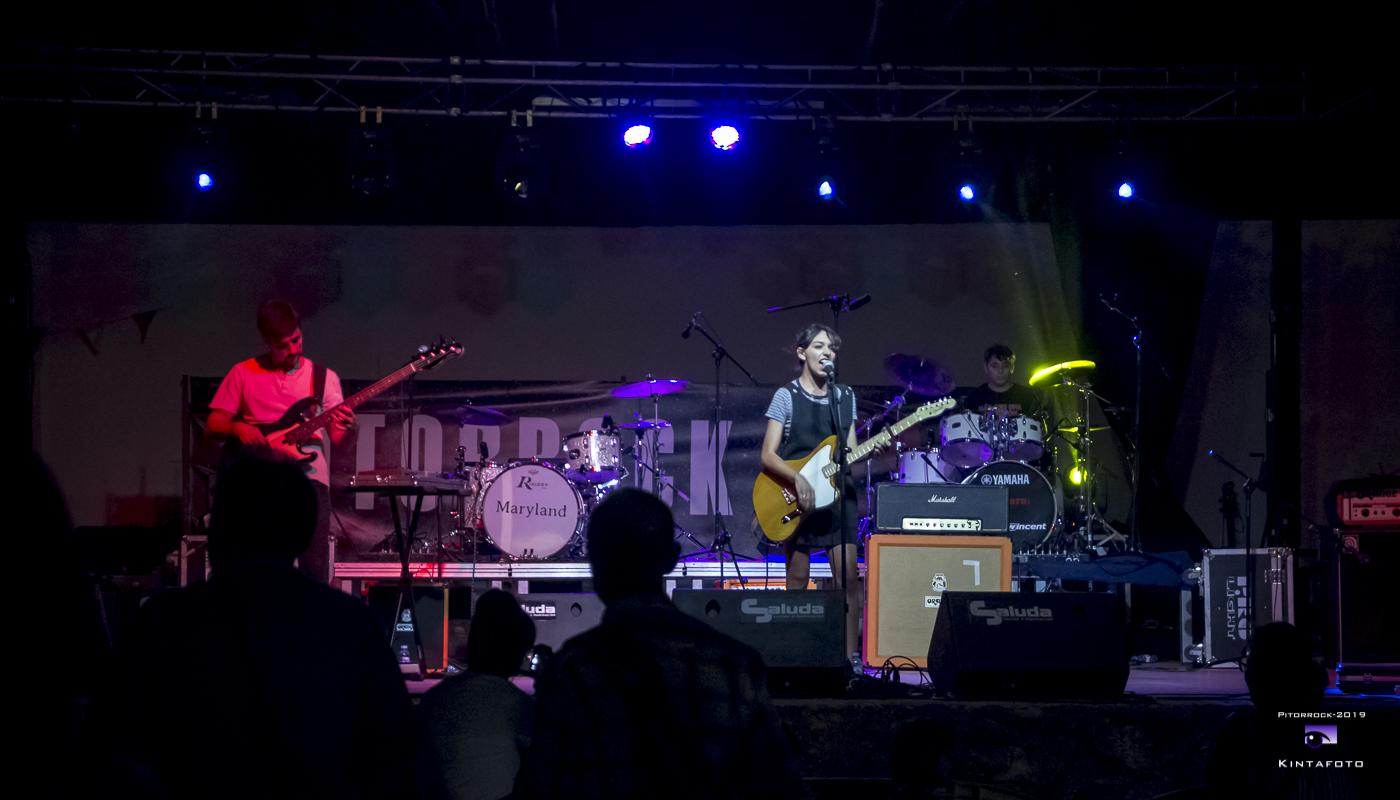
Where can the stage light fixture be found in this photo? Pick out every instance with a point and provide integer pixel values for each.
(1126, 191)
(522, 175)
(967, 192)
(1076, 475)
(638, 135)
(826, 189)
(724, 137)
(204, 181)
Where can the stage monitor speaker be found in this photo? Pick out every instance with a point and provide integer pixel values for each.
(560, 616)
(801, 635)
(906, 576)
(443, 617)
(1010, 644)
(1364, 568)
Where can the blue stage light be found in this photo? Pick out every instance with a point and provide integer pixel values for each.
(204, 181)
(1126, 191)
(637, 136)
(724, 137)
(826, 189)
(967, 193)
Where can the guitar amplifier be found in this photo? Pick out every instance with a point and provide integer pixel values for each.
(1366, 503)
(952, 507)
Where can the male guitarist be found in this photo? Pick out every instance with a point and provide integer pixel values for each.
(261, 389)
(799, 418)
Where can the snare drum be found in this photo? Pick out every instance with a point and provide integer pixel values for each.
(966, 442)
(531, 510)
(1033, 505)
(926, 466)
(593, 456)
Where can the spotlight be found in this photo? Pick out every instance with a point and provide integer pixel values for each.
(967, 193)
(204, 181)
(522, 176)
(1076, 475)
(1126, 190)
(638, 135)
(826, 190)
(724, 137)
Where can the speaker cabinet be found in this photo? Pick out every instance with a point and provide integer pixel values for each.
(800, 634)
(1068, 645)
(906, 577)
(560, 616)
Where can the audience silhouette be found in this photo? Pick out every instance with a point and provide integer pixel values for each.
(259, 682)
(652, 702)
(477, 725)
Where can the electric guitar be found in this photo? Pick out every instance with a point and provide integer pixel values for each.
(302, 423)
(775, 505)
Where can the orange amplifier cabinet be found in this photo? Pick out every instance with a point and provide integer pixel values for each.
(906, 576)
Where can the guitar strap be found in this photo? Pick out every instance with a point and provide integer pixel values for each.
(318, 385)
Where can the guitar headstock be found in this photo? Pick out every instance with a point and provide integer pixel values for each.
(432, 355)
(933, 408)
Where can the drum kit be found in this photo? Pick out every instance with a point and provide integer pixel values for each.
(995, 447)
(533, 509)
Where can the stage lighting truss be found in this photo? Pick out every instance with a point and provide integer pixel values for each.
(462, 87)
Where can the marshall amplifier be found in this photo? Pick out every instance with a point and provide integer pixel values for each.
(951, 507)
(801, 635)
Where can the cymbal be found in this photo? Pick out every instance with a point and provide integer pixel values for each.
(651, 387)
(1061, 370)
(920, 375)
(645, 424)
(1072, 429)
(473, 415)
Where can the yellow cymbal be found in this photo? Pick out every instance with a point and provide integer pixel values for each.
(1062, 367)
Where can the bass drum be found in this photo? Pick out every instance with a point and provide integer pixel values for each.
(1033, 505)
(530, 510)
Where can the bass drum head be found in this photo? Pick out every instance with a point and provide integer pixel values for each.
(531, 511)
(1033, 507)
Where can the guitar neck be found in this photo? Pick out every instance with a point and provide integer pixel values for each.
(304, 431)
(880, 439)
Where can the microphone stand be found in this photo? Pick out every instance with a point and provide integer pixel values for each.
(839, 303)
(723, 542)
(1134, 540)
(833, 403)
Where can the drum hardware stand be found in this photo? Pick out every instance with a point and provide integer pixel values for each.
(723, 542)
(650, 438)
(1089, 512)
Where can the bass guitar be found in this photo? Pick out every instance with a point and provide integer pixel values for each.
(302, 423)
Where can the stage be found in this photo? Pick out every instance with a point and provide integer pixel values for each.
(1155, 739)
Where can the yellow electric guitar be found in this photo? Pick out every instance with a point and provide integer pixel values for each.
(775, 505)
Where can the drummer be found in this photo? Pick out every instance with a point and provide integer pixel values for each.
(1000, 393)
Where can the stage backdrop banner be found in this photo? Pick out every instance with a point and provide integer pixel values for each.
(418, 428)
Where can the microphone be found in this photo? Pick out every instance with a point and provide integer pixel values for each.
(828, 366)
(858, 302)
(685, 334)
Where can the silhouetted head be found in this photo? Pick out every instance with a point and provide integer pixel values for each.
(1280, 670)
(264, 510)
(631, 544)
(45, 499)
(501, 634)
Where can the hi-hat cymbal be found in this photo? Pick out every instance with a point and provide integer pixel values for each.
(645, 424)
(1072, 429)
(920, 375)
(652, 387)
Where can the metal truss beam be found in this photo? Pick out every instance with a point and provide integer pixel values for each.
(453, 86)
